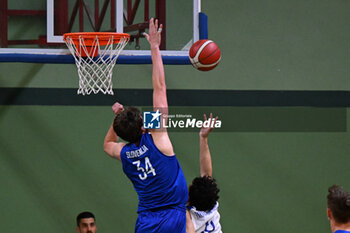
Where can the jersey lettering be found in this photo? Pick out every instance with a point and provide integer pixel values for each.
(209, 227)
(145, 171)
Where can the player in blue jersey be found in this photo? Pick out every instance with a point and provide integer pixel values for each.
(203, 215)
(148, 159)
(338, 209)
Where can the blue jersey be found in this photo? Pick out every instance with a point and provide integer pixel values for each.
(166, 219)
(158, 179)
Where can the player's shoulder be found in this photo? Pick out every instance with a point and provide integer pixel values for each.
(203, 219)
(162, 143)
(147, 138)
(203, 214)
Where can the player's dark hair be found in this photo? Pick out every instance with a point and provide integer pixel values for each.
(338, 201)
(128, 124)
(85, 214)
(203, 193)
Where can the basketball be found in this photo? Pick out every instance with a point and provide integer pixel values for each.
(205, 55)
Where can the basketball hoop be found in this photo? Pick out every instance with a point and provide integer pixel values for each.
(95, 55)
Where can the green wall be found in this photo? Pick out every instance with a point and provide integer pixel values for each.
(53, 166)
(51, 157)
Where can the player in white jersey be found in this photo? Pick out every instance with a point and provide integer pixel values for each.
(202, 210)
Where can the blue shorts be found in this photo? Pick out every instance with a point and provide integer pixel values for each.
(162, 220)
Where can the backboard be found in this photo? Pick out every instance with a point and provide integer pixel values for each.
(125, 16)
(180, 19)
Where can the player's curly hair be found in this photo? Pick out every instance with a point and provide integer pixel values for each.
(203, 193)
(128, 124)
(338, 201)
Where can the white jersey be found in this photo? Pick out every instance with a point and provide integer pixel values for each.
(205, 222)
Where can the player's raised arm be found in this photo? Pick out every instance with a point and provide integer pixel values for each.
(111, 145)
(160, 102)
(158, 77)
(204, 152)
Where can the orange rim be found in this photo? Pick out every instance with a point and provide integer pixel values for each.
(89, 37)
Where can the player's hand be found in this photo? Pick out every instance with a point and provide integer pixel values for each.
(206, 130)
(117, 108)
(154, 36)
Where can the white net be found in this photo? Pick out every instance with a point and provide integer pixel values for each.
(95, 73)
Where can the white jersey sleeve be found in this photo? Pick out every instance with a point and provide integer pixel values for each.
(205, 222)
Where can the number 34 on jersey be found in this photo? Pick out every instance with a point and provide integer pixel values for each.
(145, 171)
